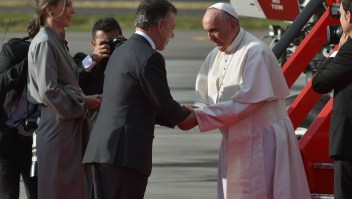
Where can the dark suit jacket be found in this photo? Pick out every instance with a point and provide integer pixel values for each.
(13, 75)
(90, 82)
(136, 97)
(336, 74)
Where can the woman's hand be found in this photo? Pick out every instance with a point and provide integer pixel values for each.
(93, 102)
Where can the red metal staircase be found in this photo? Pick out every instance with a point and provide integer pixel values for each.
(314, 143)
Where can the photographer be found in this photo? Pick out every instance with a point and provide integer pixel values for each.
(92, 67)
(15, 127)
(336, 75)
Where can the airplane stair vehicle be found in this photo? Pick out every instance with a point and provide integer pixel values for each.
(301, 47)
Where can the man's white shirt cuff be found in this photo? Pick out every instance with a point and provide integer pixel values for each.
(88, 63)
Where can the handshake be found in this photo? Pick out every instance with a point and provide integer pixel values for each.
(191, 120)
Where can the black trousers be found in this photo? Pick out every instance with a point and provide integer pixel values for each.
(15, 161)
(342, 178)
(111, 182)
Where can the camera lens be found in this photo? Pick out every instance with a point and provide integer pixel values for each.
(334, 32)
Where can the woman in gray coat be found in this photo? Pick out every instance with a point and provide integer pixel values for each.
(52, 83)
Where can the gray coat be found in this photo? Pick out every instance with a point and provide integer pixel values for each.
(52, 83)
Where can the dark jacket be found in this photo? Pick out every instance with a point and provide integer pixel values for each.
(13, 75)
(90, 82)
(336, 74)
(136, 97)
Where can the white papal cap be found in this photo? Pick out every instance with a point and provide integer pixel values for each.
(226, 8)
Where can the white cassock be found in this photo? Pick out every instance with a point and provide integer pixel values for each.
(241, 91)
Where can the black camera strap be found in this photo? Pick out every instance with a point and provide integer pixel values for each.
(35, 108)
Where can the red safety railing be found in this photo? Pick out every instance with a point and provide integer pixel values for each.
(314, 143)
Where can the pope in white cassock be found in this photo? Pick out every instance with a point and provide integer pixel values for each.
(240, 89)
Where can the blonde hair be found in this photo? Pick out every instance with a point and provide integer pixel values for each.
(40, 16)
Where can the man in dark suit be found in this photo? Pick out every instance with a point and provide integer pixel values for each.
(136, 97)
(336, 74)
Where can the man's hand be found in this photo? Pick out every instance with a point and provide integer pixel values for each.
(190, 121)
(101, 51)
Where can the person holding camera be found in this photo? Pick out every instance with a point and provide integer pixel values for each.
(335, 74)
(16, 113)
(91, 67)
(53, 85)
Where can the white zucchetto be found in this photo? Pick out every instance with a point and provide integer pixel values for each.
(226, 8)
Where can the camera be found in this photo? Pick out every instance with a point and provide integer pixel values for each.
(335, 11)
(31, 123)
(115, 42)
(334, 32)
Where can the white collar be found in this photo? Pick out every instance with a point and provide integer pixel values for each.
(146, 37)
(236, 42)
